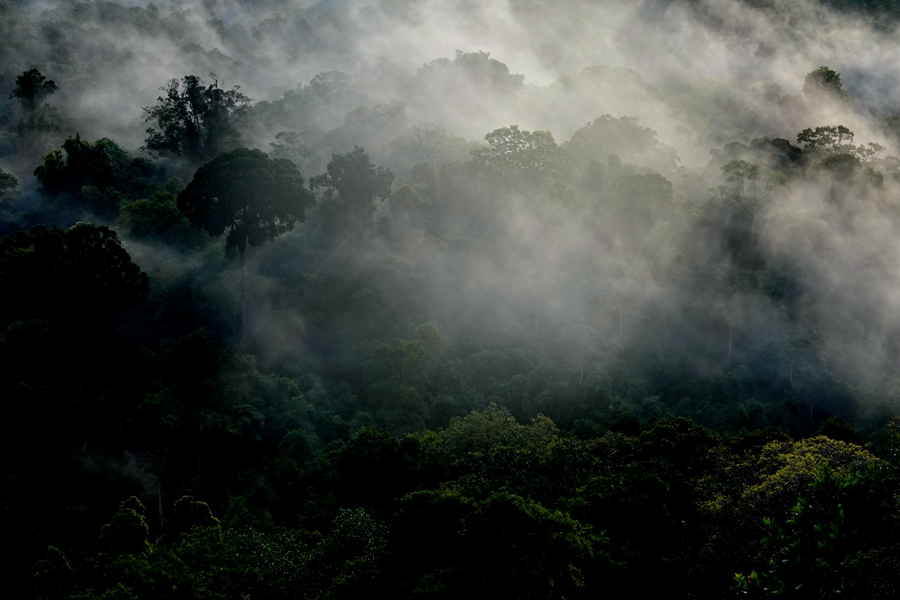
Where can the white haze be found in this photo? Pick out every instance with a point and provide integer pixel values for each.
(666, 63)
(245, 45)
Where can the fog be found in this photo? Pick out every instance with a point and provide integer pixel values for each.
(567, 263)
(112, 61)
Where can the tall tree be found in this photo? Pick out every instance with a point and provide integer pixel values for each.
(251, 196)
(8, 185)
(32, 88)
(31, 91)
(351, 186)
(194, 120)
(526, 155)
(824, 82)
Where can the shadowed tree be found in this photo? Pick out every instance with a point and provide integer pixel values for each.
(351, 188)
(31, 90)
(81, 276)
(251, 196)
(195, 121)
(826, 140)
(36, 118)
(8, 185)
(93, 176)
(824, 83)
(526, 155)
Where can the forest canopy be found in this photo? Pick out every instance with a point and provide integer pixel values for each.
(505, 300)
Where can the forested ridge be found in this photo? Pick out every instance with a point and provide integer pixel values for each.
(297, 300)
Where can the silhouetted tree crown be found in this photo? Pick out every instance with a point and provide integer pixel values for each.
(31, 89)
(824, 82)
(194, 120)
(246, 193)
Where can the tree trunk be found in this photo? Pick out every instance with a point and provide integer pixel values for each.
(621, 318)
(730, 340)
(581, 378)
(199, 452)
(243, 294)
(159, 500)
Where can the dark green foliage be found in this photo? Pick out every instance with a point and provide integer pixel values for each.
(519, 155)
(190, 515)
(824, 83)
(195, 121)
(94, 178)
(506, 546)
(351, 186)
(8, 185)
(81, 276)
(523, 370)
(825, 139)
(247, 194)
(32, 89)
(54, 577)
(836, 520)
(158, 219)
(374, 470)
(128, 531)
(837, 428)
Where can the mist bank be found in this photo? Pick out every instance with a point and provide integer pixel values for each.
(284, 285)
(598, 185)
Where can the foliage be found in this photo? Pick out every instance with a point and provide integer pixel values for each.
(514, 154)
(94, 177)
(158, 219)
(824, 83)
(31, 91)
(825, 139)
(351, 187)
(545, 368)
(826, 526)
(194, 121)
(8, 185)
(246, 193)
(128, 531)
(81, 275)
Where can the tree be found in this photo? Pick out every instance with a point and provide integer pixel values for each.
(128, 532)
(330, 86)
(824, 83)
(190, 514)
(253, 197)
(158, 219)
(96, 176)
(640, 201)
(826, 140)
(8, 185)
(63, 295)
(753, 188)
(520, 154)
(31, 90)
(195, 121)
(473, 71)
(352, 185)
(290, 144)
(625, 138)
(81, 277)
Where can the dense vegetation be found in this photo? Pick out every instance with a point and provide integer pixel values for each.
(334, 343)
